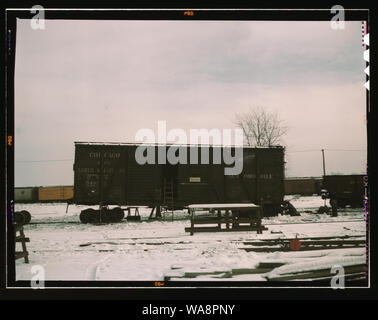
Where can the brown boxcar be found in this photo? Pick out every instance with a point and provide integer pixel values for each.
(51, 194)
(303, 186)
(108, 174)
(346, 189)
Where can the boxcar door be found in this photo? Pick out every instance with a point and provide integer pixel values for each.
(240, 188)
(217, 178)
(195, 179)
(271, 177)
(144, 181)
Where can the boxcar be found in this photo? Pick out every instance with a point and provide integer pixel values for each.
(346, 189)
(26, 194)
(52, 194)
(303, 186)
(108, 174)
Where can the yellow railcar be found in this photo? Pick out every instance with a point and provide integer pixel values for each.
(60, 193)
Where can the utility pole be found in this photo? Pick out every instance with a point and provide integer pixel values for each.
(324, 172)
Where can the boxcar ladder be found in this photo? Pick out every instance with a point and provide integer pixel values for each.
(168, 197)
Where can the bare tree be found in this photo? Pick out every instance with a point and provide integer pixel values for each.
(261, 128)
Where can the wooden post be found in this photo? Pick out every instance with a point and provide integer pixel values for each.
(219, 217)
(152, 213)
(227, 216)
(191, 220)
(259, 217)
(23, 244)
(324, 171)
(158, 211)
(21, 238)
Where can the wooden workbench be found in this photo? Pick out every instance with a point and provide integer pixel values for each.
(226, 217)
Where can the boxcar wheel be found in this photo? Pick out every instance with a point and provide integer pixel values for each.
(87, 215)
(105, 216)
(116, 214)
(84, 216)
(19, 218)
(27, 216)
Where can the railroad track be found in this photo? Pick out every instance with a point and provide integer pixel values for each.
(312, 222)
(264, 245)
(304, 244)
(265, 224)
(302, 268)
(54, 222)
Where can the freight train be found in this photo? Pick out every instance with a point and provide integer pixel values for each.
(39, 194)
(345, 189)
(43, 194)
(109, 174)
(303, 186)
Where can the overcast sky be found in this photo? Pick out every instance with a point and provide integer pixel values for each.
(104, 80)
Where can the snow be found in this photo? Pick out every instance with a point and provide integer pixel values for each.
(222, 205)
(162, 250)
(323, 263)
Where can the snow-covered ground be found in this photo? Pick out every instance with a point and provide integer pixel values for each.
(162, 250)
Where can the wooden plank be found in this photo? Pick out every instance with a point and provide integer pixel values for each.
(305, 238)
(202, 229)
(250, 270)
(136, 207)
(265, 242)
(348, 277)
(22, 239)
(196, 274)
(323, 238)
(333, 242)
(266, 249)
(217, 229)
(216, 220)
(253, 228)
(286, 249)
(227, 273)
(310, 274)
(20, 254)
(224, 206)
(192, 275)
(208, 220)
(247, 220)
(270, 265)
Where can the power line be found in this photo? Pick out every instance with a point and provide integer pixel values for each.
(355, 150)
(317, 150)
